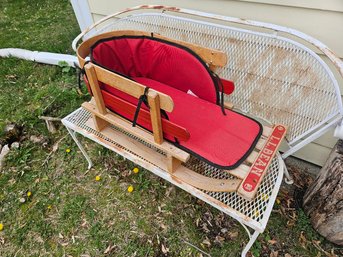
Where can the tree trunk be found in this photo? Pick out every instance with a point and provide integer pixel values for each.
(323, 200)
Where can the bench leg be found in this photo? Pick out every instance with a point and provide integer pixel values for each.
(252, 240)
(78, 143)
(288, 178)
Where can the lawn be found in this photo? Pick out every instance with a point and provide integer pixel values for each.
(50, 205)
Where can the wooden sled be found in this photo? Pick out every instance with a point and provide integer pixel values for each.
(249, 173)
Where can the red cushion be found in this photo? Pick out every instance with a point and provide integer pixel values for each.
(159, 60)
(223, 141)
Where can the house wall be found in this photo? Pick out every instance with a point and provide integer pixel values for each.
(320, 19)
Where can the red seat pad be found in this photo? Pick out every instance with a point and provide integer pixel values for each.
(156, 59)
(222, 141)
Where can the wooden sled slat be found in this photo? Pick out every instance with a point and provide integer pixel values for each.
(252, 157)
(267, 131)
(260, 144)
(181, 173)
(240, 172)
(127, 86)
(132, 144)
(251, 182)
(144, 116)
(138, 132)
(243, 169)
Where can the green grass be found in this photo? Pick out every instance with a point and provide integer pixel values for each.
(69, 213)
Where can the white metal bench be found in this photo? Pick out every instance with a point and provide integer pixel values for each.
(279, 79)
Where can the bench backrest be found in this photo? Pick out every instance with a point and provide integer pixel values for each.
(276, 78)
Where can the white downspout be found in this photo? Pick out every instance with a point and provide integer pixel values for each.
(83, 14)
(42, 57)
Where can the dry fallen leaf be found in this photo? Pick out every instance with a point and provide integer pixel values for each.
(333, 253)
(4, 151)
(126, 173)
(37, 139)
(316, 243)
(55, 146)
(219, 239)
(169, 190)
(204, 227)
(302, 239)
(164, 249)
(109, 248)
(164, 227)
(272, 242)
(84, 223)
(79, 91)
(223, 230)
(233, 234)
(274, 254)
(197, 222)
(206, 242)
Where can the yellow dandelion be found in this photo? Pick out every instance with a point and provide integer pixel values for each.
(28, 193)
(1, 226)
(68, 150)
(278, 201)
(135, 170)
(49, 207)
(264, 197)
(130, 189)
(97, 178)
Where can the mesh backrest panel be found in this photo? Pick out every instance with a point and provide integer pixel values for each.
(275, 79)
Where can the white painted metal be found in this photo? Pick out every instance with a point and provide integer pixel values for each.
(82, 13)
(79, 145)
(339, 131)
(312, 137)
(315, 128)
(250, 243)
(322, 47)
(42, 57)
(253, 214)
(288, 179)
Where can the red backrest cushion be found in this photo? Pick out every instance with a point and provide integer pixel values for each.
(156, 59)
